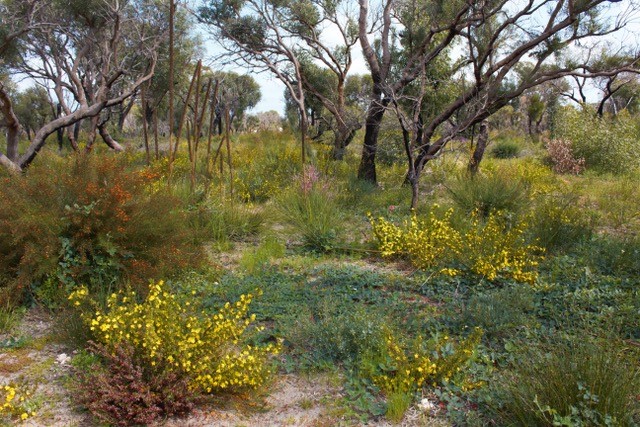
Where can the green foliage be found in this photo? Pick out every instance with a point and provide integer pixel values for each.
(258, 258)
(9, 317)
(505, 149)
(499, 312)
(330, 335)
(264, 166)
(310, 208)
(230, 221)
(607, 144)
(489, 192)
(617, 256)
(618, 202)
(557, 223)
(576, 383)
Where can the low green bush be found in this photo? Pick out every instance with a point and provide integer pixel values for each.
(575, 383)
(558, 223)
(505, 149)
(489, 192)
(611, 255)
(607, 144)
(310, 208)
(225, 221)
(258, 258)
(500, 312)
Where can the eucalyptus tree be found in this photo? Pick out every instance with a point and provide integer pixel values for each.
(237, 93)
(494, 36)
(289, 39)
(33, 108)
(91, 54)
(16, 19)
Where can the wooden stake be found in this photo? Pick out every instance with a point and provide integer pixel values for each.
(155, 133)
(145, 131)
(184, 110)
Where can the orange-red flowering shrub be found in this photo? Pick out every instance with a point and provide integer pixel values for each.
(89, 220)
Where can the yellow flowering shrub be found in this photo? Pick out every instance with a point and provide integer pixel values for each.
(487, 248)
(408, 367)
(170, 335)
(491, 249)
(14, 404)
(263, 170)
(428, 243)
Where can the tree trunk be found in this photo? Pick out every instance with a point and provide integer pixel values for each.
(13, 133)
(155, 134)
(12, 124)
(367, 169)
(91, 139)
(12, 167)
(124, 113)
(106, 137)
(76, 132)
(342, 139)
(145, 126)
(59, 132)
(481, 145)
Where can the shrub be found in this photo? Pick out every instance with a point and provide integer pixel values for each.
(500, 313)
(257, 258)
(613, 255)
(489, 192)
(124, 394)
(505, 149)
(329, 335)
(618, 203)
(492, 249)
(572, 384)
(561, 155)
(403, 368)
(9, 317)
(263, 170)
(369, 345)
(607, 144)
(171, 336)
(15, 403)
(231, 221)
(90, 220)
(556, 223)
(488, 248)
(429, 243)
(311, 209)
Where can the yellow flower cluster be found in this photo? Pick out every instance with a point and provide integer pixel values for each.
(427, 242)
(491, 249)
(259, 171)
(409, 368)
(449, 364)
(167, 334)
(488, 248)
(13, 403)
(405, 372)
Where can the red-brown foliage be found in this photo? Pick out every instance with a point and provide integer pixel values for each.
(562, 157)
(123, 394)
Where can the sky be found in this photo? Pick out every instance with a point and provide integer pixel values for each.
(273, 89)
